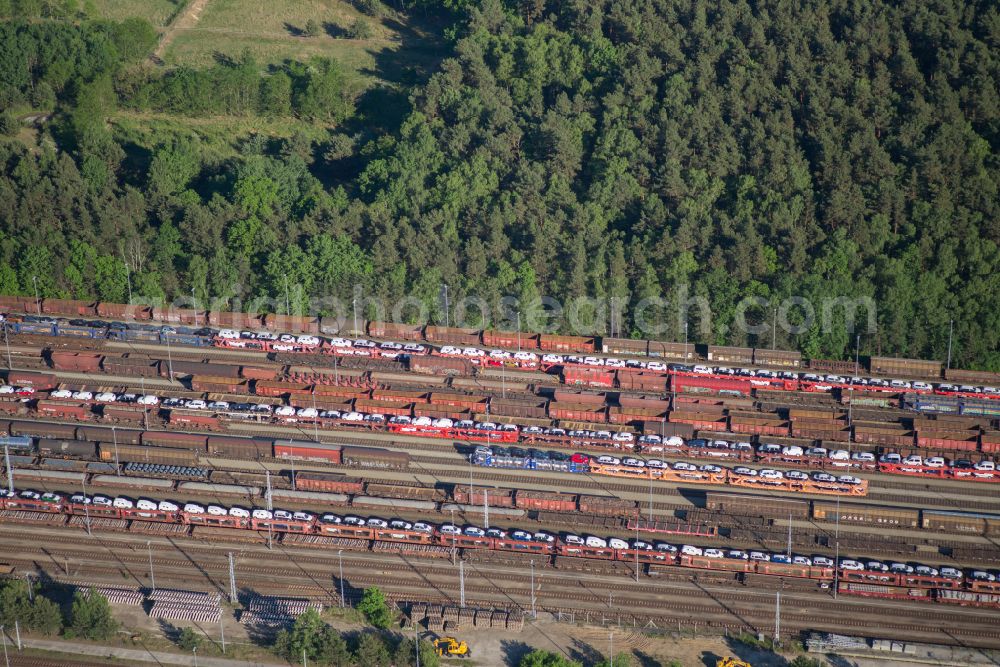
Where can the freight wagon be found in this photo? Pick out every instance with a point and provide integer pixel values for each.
(754, 505)
(607, 506)
(437, 365)
(61, 410)
(625, 346)
(510, 339)
(314, 451)
(554, 343)
(370, 457)
(144, 454)
(395, 331)
(191, 441)
(905, 368)
(587, 377)
(483, 494)
(545, 500)
(153, 333)
(710, 385)
(452, 336)
(66, 448)
(896, 517)
(77, 362)
(236, 447)
(16, 443)
(37, 381)
(961, 522)
(633, 381)
(780, 358)
(972, 377)
(864, 581)
(525, 408)
(42, 430)
(678, 351)
(406, 491)
(732, 355)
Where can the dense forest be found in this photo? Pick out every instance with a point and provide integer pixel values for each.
(566, 148)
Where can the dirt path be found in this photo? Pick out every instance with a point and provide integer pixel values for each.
(184, 21)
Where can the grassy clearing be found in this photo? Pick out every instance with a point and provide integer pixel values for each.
(219, 135)
(272, 32)
(201, 48)
(157, 12)
(284, 17)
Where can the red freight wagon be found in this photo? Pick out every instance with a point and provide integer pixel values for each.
(635, 415)
(588, 377)
(464, 401)
(38, 381)
(194, 420)
(990, 443)
(71, 307)
(395, 331)
(525, 408)
(291, 323)
(833, 434)
(121, 311)
(239, 321)
(607, 506)
(552, 343)
(435, 365)
(495, 497)
(20, 304)
(308, 452)
(545, 500)
(642, 381)
(61, 410)
(266, 388)
(76, 361)
(758, 426)
(947, 440)
(330, 483)
(383, 407)
(700, 421)
(219, 385)
(510, 339)
(585, 413)
(254, 373)
(707, 385)
(127, 413)
(452, 336)
(580, 397)
(440, 412)
(644, 402)
(398, 396)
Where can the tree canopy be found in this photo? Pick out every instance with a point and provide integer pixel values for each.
(314, 639)
(625, 150)
(540, 658)
(91, 616)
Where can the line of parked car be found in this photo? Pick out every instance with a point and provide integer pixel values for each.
(543, 537)
(290, 342)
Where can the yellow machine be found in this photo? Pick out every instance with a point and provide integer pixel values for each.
(732, 662)
(449, 647)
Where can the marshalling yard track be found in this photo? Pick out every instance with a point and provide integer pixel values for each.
(707, 600)
(600, 592)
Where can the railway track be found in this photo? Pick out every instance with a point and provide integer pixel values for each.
(749, 535)
(414, 442)
(804, 542)
(22, 660)
(717, 608)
